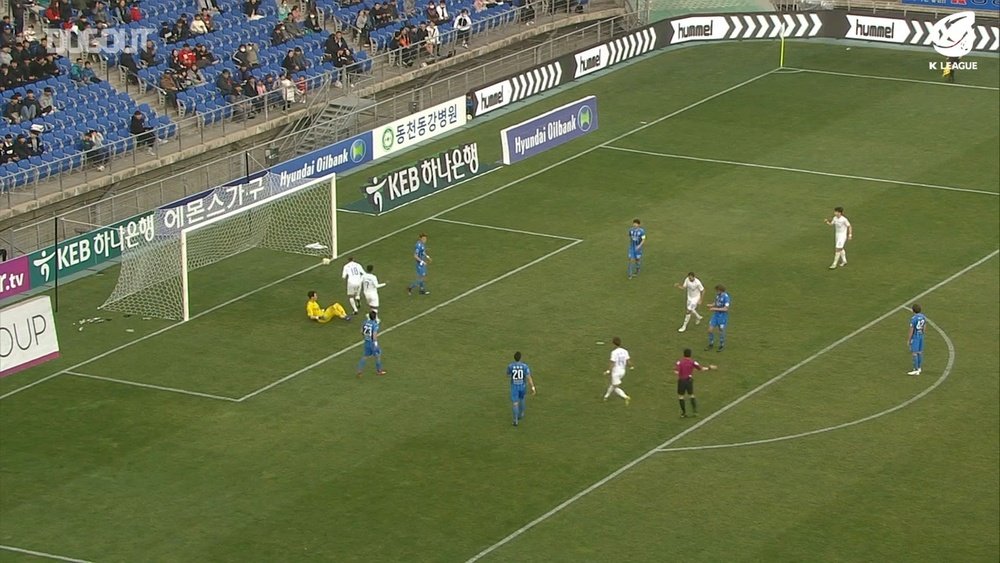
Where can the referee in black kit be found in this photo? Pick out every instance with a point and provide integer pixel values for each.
(950, 68)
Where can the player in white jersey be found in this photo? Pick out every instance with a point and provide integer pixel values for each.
(842, 232)
(616, 370)
(370, 287)
(695, 291)
(352, 273)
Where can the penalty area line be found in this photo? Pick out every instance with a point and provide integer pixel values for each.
(937, 383)
(802, 171)
(403, 323)
(892, 79)
(34, 553)
(152, 386)
(618, 472)
(505, 229)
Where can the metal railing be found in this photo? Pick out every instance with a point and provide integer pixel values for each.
(876, 6)
(73, 173)
(117, 207)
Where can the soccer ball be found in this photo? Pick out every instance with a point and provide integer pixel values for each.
(326, 261)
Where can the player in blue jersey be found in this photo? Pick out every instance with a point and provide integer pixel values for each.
(918, 322)
(422, 259)
(520, 377)
(636, 244)
(370, 332)
(720, 318)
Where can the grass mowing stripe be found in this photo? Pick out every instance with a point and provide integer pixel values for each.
(402, 229)
(342, 351)
(559, 508)
(937, 383)
(892, 78)
(802, 171)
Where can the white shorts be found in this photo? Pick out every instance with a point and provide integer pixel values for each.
(840, 241)
(372, 299)
(354, 288)
(616, 377)
(692, 305)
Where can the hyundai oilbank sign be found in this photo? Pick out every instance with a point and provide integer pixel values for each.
(549, 130)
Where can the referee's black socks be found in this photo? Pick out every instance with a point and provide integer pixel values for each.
(683, 408)
(694, 405)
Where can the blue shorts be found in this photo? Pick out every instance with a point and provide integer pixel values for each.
(917, 344)
(372, 348)
(421, 269)
(634, 253)
(517, 393)
(718, 320)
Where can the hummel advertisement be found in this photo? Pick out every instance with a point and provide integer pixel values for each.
(699, 28)
(871, 28)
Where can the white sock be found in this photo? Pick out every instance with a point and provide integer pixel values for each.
(687, 318)
(696, 315)
(843, 257)
(836, 257)
(620, 393)
(610, 389)
(354, 305)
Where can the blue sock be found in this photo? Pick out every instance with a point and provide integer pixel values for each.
(361, 364)
(638, 265)
(630, 264)
(378, 364)
(920, 361)
(514, 408)
(722, 338)
(521, 405)
(421, 284)
(711, 338)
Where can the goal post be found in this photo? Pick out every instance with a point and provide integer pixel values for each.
(155, 276)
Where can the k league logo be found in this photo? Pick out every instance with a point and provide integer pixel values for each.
(954, 35)
(388, 138)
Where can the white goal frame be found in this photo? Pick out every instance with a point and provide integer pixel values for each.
(185, 283)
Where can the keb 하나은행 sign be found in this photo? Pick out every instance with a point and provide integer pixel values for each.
(549, 130)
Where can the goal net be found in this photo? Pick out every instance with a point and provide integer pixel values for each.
(154, 279)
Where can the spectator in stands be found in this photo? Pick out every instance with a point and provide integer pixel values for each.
(121, 12)
(292, 28)
(206, 16)
(35, 145)
(21, 147)
(93, 149)
(127, 61)
(210, 5)
(227, 86)
(170, 85)
(198, 26)
(50, 67)
(101, 16)
(30, 108)
(246, 56)
(361, 27)
(253, 90)
(272, 86)
(88, 73)
(335, 43)
(253, 55)
(76, 71)
(463, 25)
(478, 5)
(279, 35)
(380, 14)
(418, 35)
(166, 33)
(409, 8)
(148, 57)
(432, 41)
(53, 15)
(47, 101)
(142, 132)
(408, 50)
(251, 8)
(181, 30)
(431, 12)
(442, 10)
(134, 12)
(7, 153)
(284, 8)
(5, 56)
(288, 90)
(12, 113)
(293, 62)
(312, 23)
(204, 57)
(343, 59)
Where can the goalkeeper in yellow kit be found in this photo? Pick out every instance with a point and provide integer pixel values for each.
(321, 315)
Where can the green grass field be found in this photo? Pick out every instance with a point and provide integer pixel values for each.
(732, 168)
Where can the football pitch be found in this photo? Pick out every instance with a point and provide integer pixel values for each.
(244, 435)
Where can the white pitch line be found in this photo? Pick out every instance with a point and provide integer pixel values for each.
(559, 508)
(398, 231)
(42, 554)
(481, 286)
(505, 229)
(937, 383)
(893, 79)
(151, 386)
(801, 171)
